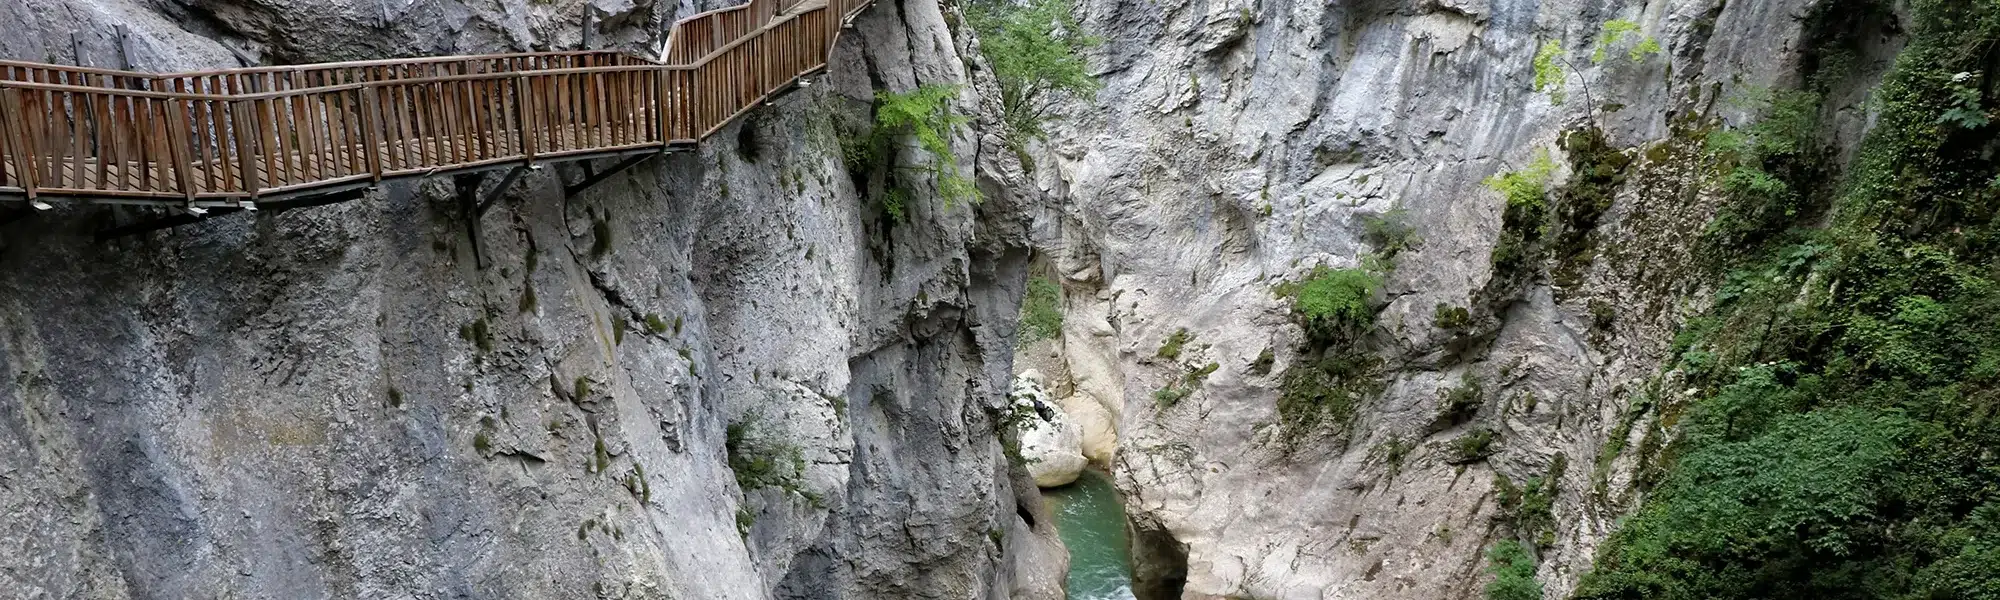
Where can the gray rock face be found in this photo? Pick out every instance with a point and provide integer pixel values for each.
(1237, 145)
(336, 402)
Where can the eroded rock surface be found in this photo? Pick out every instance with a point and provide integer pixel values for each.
(1239, 145)
(721, 374)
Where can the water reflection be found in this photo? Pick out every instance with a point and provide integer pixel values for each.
(1091, 520)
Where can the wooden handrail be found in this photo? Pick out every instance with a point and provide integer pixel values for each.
(241, 134)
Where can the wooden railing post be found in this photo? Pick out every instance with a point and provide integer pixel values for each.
(528, 131)
(19, 140)
(661, 107)
(179, 138)
(245, 126)
(371, 130)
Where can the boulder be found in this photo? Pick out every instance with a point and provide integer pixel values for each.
(1051, 442)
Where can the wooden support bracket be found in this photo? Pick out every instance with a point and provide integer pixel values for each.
(493, 195)
(468, 209)
(594, 177)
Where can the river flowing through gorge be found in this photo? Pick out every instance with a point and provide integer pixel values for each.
(1091, 520)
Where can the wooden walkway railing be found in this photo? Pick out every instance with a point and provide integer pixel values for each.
(222, 137)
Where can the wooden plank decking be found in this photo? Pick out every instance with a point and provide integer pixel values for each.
(220, 138)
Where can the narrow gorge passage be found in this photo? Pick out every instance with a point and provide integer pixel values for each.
(1090, 517)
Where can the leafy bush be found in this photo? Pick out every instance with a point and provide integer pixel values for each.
(761, 462)
(1389, 232)
(1326, 392)
(1524, 221)
(1446, 316)
(1041, 310)
(1332, 303)
(1548, 73)
(1838, 443)
(1513, 573)
(1615, 31)
(1460, 402)
(926, 115)
(1471, 447)
(1035, 48)
(1171, 348)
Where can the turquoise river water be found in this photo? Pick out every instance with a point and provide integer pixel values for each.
(1091, 520)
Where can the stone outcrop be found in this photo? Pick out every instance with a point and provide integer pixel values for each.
(722, 374)
(1051, 443)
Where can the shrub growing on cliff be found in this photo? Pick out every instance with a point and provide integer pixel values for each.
(1615, 31)
(927, 116)
(1513, 573)
(1333, 303)
(1524, 221)
(1041, 310)
(1035, 48)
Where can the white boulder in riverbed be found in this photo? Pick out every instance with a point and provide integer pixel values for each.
(1051, 442)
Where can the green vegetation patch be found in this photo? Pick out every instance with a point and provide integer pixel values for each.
(1041, 310)
(1513, 572)
(1846, 385)
(1334, 303)
(1036, 51)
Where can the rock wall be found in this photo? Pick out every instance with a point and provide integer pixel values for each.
(721, 374)
(1237, 145)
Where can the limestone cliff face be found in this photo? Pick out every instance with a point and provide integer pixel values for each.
(336, 402)
(1237, 145)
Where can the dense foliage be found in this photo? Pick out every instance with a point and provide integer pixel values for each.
(1840, 433)
(1035, 48)
(1513, 573)
(1041, 310)
(926, 115)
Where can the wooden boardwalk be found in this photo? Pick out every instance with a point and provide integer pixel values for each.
(226, 138)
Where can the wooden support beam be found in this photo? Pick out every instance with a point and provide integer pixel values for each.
(594, 178)
(493, 195)
(176, 220)
(468, 209)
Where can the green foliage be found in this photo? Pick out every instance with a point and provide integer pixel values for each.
(1839, 444)
(744, 521)
(1597, 171)
(1041, 310)
(1459, 403)
(1190, 381)
(1525, 187)
(1615, 31)
(1393, 452)
(1334, 303)
(1171, 348)
(760, 461)
(926, 115)
(1965, 110)
(1036, 51)
(1524, 221)
(1549, 70)
(655, 323)
(1390, 232)
(1446, 316)
(1530, 508)
(1472, 447)
(1325, 393)
(1513, 573)
(1264, 361)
